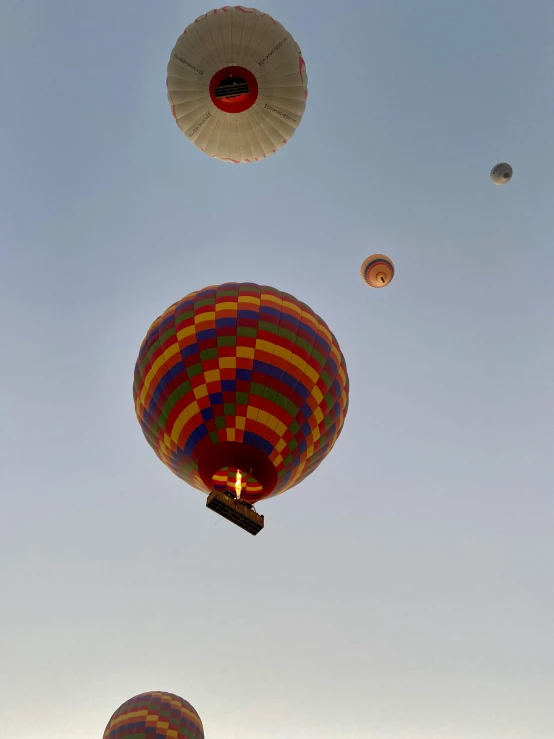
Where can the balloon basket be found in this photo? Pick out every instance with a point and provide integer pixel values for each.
(236, 511)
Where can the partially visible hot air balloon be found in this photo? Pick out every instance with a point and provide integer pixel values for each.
(242, 391)
(156, 714)
(377, 270)
(237, 84)
(501, 173)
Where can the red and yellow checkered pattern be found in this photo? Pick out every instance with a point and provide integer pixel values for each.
(156, 715)
(241, 377)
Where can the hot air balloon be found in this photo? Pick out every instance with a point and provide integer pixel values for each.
(377, 270)
(156, 714)
(237, 84)
(242, 391)
(501, 173)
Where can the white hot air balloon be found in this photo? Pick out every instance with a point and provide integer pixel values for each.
(237, 84)
(501, 173)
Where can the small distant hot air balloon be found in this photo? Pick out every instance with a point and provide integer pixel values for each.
(155, 714)
(237, 84)
(377, 270)
(501, 173)
(242, 391)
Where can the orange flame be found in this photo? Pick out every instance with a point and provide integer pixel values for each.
(238, 485)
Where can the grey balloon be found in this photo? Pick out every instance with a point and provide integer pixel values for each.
(501, 173)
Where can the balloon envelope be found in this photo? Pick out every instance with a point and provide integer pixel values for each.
(501, 173)
(237, 84)
(241, 377)
(156, 714)
(377, 270)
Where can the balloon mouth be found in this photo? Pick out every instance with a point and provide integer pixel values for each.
(219, 463)
(237, 482)
(233, 89)
(506, 176)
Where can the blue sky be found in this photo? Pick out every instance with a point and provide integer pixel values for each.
(406, 589)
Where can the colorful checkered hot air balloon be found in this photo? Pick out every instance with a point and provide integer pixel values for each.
(241, 390)
(153, 715)
(237, 84)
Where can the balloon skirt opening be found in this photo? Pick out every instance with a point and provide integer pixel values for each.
(238, 456)
(228, 481)
(233, 89)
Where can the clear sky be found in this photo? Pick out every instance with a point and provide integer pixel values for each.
(406, 589)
